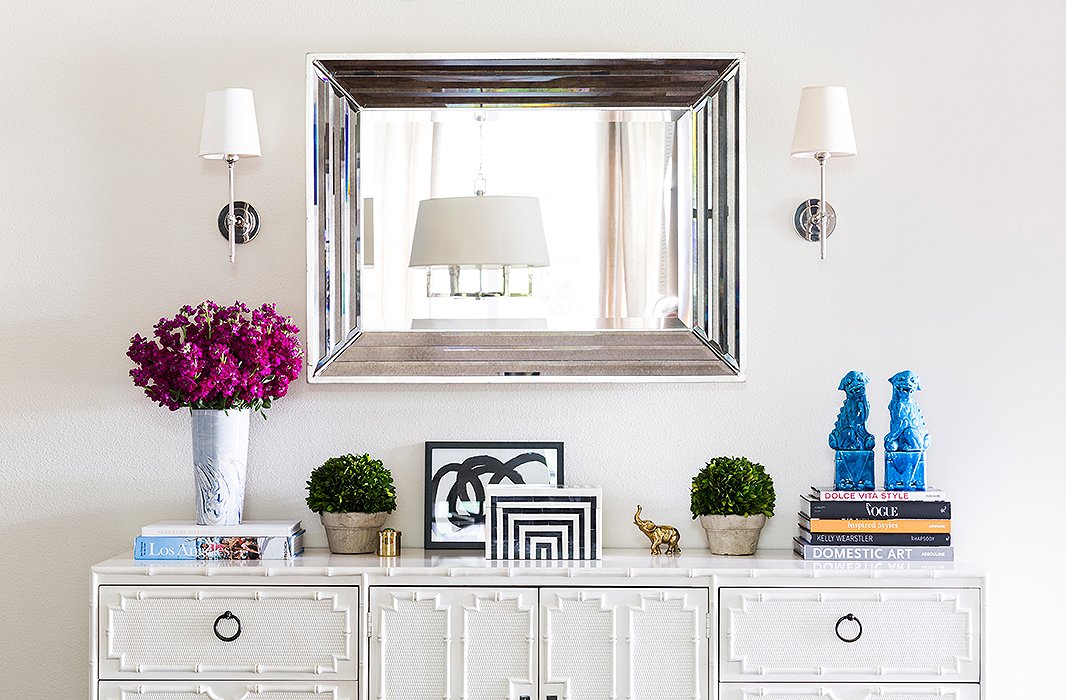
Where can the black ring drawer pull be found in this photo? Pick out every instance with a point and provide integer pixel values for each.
(841, 637)
(227, 616)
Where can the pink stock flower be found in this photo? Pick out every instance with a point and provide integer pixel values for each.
(218, 357)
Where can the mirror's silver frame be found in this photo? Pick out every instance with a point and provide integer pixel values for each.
(317, 360)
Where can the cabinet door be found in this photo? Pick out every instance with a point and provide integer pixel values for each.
(441, 643)
(821, 635)
(639, 644)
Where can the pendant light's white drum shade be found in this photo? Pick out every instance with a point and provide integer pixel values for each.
(483, 230)
(230, 128)
(823, 124)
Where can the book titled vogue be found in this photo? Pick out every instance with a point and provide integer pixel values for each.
(876, 510)
(859, 553)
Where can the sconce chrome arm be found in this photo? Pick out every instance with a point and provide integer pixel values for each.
(239, 221)
(814, 216)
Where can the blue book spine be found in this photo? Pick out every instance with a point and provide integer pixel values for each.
(166, 548)
(217, 548)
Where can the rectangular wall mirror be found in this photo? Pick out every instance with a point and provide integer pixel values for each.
(541, 217)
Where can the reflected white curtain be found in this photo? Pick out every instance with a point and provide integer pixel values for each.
(405, 160)
(638, 253)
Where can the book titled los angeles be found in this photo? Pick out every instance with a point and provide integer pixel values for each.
(876, 510)
(218, 548)
(859, 553)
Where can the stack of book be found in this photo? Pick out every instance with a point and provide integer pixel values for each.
(252, 539)
(874, 526)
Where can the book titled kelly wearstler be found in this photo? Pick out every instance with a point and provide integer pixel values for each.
(815, 552)
(218, 548)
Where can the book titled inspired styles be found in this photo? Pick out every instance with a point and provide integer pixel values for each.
(827, 493)
(876, 539)
(248, 528)
(897, 525)
(218, 548)
(837, 553)
(876, 510)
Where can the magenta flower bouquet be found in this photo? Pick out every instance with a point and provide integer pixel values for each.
(218, 358)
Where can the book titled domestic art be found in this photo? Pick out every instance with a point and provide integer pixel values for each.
(837, 553)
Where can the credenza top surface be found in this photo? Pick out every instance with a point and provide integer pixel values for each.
(616, 563)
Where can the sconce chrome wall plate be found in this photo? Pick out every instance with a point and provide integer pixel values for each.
(807, 220)
(247, 225)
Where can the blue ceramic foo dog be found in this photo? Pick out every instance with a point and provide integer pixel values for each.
(907, 438)
(854, 445)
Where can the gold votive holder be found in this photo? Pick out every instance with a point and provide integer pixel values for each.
(389, 542)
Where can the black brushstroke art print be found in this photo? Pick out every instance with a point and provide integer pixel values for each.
(456, 476)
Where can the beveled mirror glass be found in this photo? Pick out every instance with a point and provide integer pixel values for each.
(525, 218)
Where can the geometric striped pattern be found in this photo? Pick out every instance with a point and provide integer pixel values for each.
(531, 523)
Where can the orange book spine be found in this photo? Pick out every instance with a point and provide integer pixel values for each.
(902, 526)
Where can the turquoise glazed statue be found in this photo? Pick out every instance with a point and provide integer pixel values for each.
(907, 438)
(854, 445)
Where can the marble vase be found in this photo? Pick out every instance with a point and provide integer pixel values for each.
(220, 457)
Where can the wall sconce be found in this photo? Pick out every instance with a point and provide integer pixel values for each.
(230, 133)
(823, 131)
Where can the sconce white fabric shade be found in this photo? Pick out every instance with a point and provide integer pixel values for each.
(823, 124)
(230, 128)
(483, 230)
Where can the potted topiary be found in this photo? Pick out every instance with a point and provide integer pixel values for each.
(732, 497)
(353, 495)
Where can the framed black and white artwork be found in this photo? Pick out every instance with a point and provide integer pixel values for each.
(457, 474)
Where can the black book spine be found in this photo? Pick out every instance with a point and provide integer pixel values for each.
(869, 510)
(885, 539)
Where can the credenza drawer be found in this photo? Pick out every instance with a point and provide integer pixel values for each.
(848, 691)
(227, 690)
(232, 633)
(850, 634)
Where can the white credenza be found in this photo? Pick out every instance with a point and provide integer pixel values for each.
(429, 626)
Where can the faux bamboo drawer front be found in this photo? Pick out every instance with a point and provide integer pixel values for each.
(848, 691)
(898, 634)
(169, 632)
(228, 690)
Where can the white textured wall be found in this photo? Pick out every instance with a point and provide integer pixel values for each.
(948, 260)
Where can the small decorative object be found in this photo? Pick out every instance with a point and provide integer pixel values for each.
(732, 497)
(526, 522)
(660, 535)
(353, 495)
(223, 363)
(389, 542)
(854, 445)
(907, 438)
(457, 474)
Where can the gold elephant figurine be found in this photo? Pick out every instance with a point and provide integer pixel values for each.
(659, 535)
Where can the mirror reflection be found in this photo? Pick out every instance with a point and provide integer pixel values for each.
(503, 219)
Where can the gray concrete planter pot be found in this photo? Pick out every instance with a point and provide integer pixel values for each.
(352, 533)
(736, 535)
